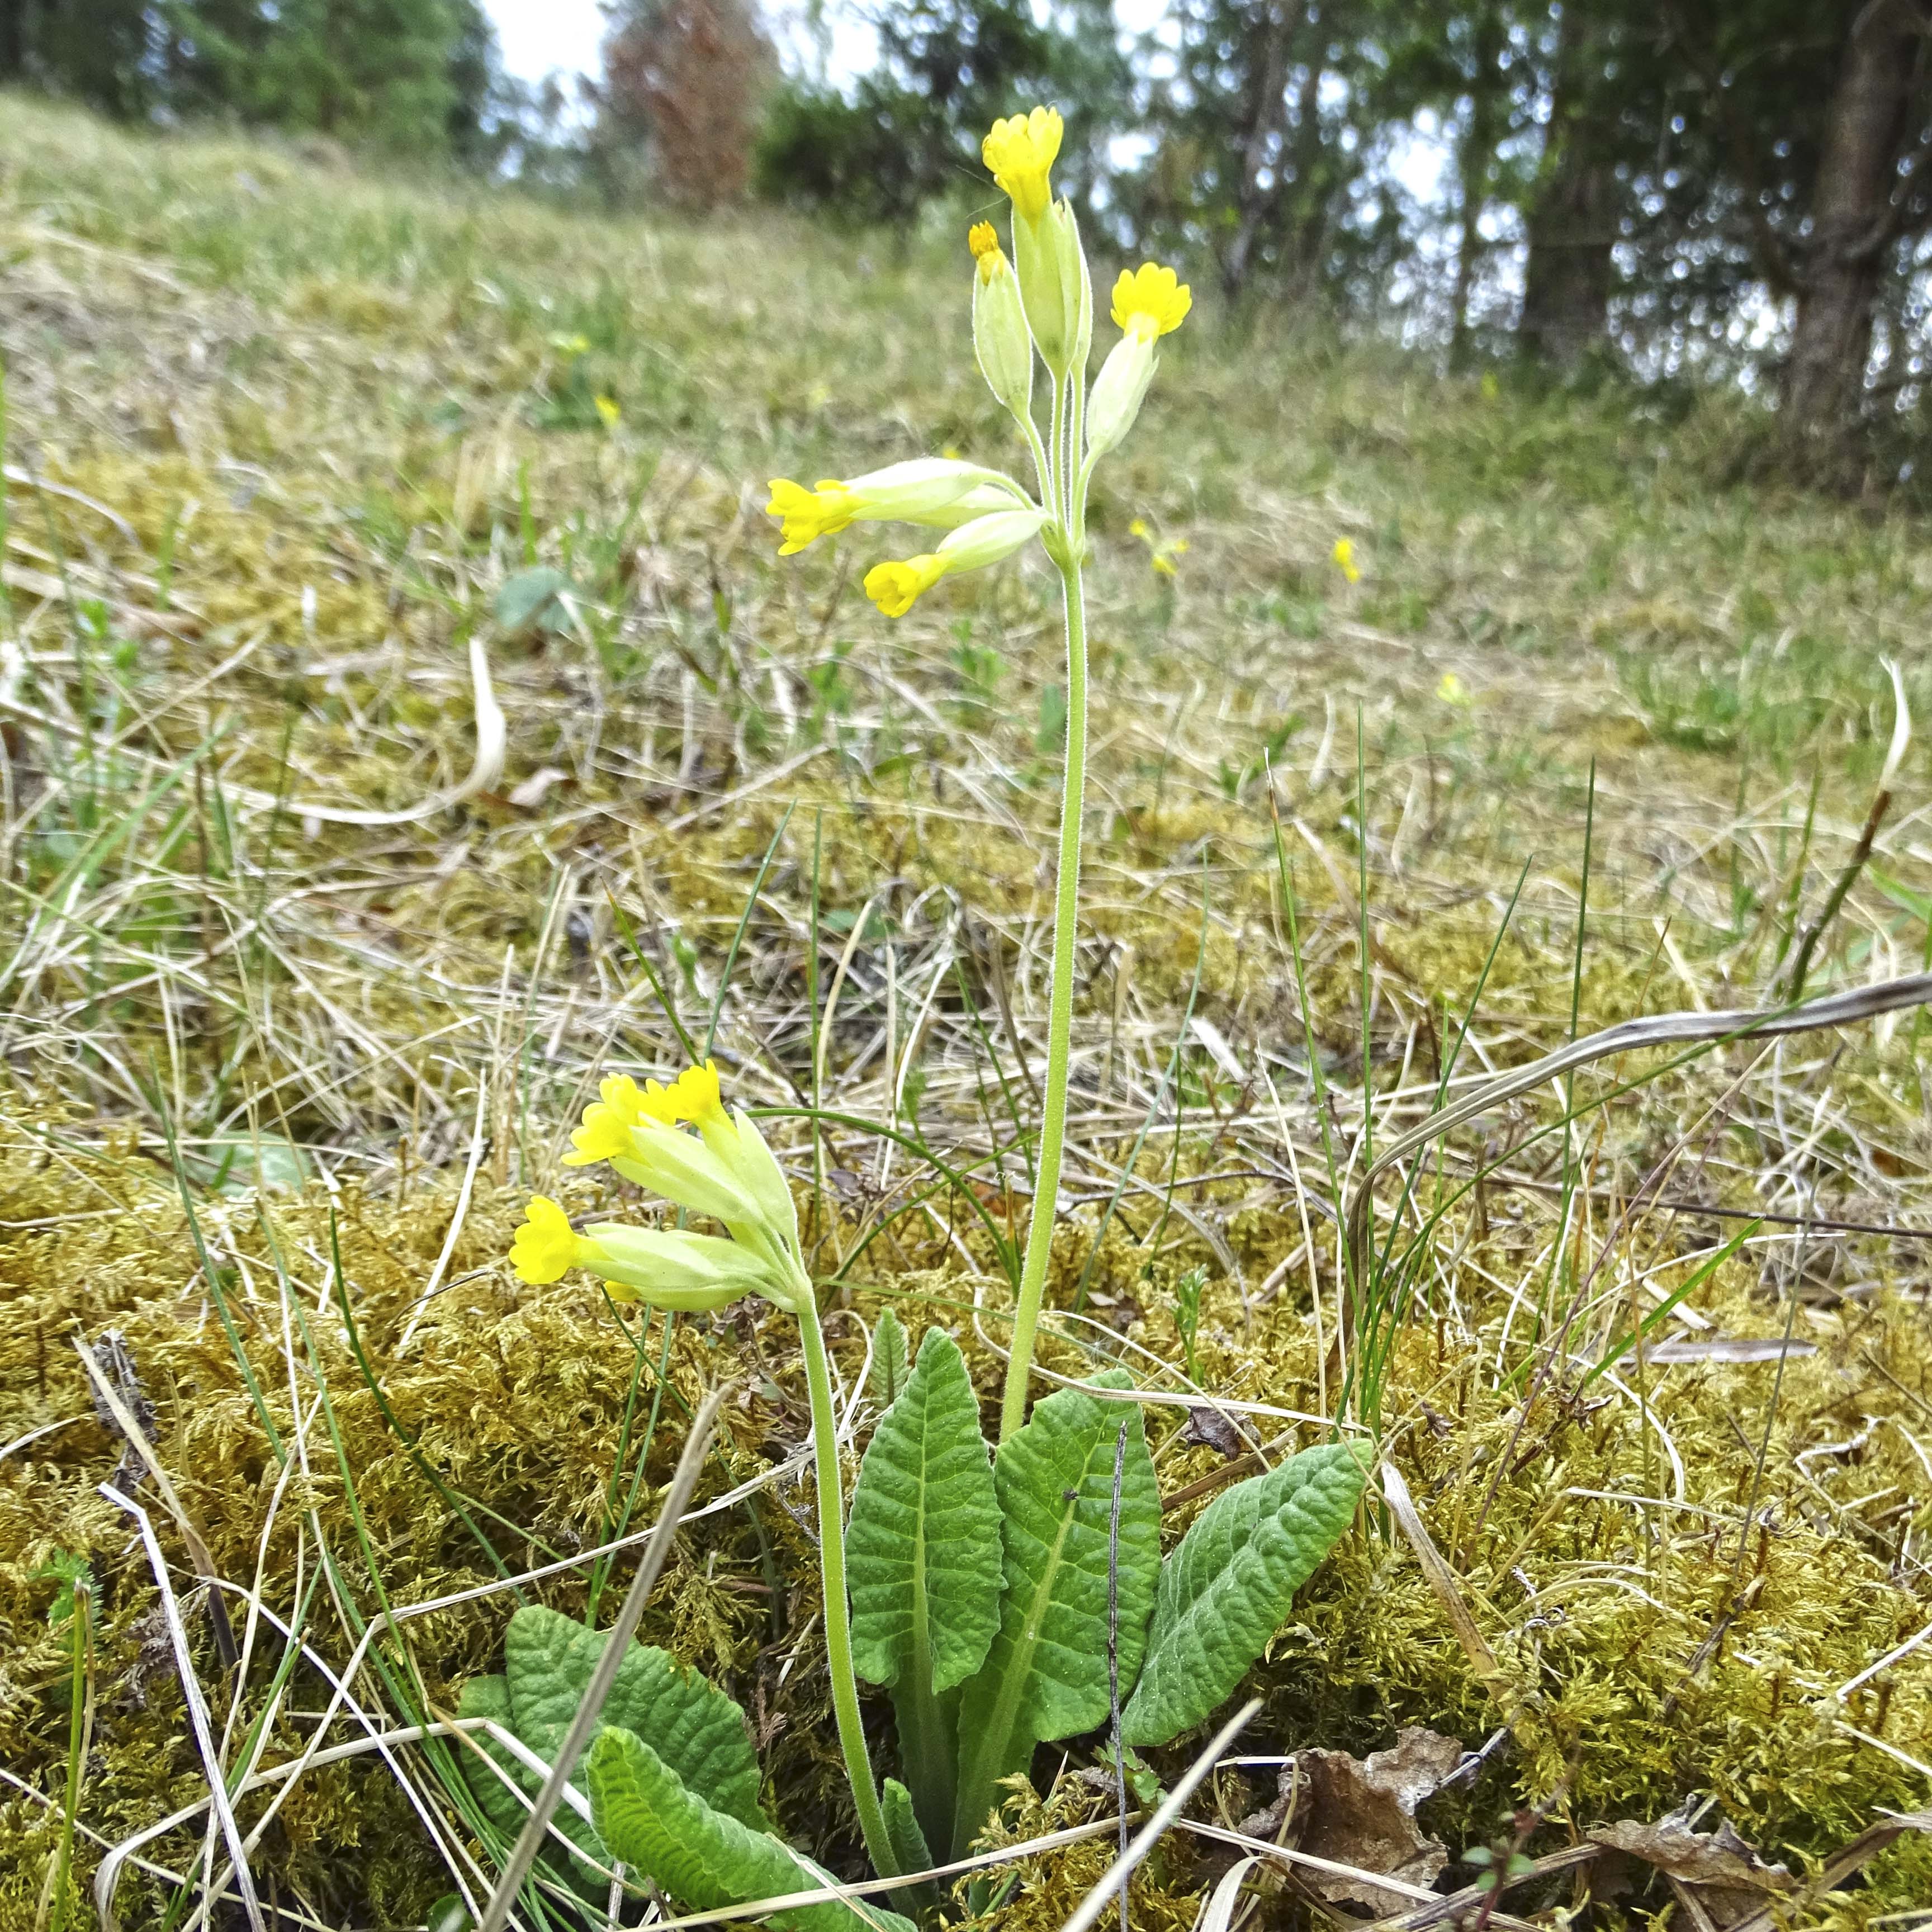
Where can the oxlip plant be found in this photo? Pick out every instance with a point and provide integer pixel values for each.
(1003, 1598)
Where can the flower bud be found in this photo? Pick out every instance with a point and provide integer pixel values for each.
(688, 1173)
(895, 587)
(670, 1268)
(987, 539)
(1054, 286)
(1118, 391)
(1000, 339)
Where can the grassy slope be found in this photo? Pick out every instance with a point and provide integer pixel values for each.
(317, 422)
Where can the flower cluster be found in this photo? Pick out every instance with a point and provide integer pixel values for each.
(724, 1172)
(1040, 304)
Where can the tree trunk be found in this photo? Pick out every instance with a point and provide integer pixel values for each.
(1475, 162)
(1266, 123)
(1843, 262)
(1571, 223)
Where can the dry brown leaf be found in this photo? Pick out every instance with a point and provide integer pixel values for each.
(1361, 1812)
(1725, 1876)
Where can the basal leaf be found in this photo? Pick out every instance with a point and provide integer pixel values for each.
(902, 1828)
(694, 1726)
(705, 1858)
(890, 1365)
(924, 1541)
(1227, 1589)
(490, 1697)
(1046, 1675)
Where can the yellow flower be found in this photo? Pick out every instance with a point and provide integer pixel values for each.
(921, 490)
(693, 1096)
(605, 1134)
(545, 1248)
(1150, 301)
(607, 409)
(896, 587)
(809, 515)
(984, 241)
(1344, 554)
(1452, 690)
(1020, 152)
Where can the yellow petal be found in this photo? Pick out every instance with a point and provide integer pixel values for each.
(1151, 301)
(896, 587)
(545, 1248)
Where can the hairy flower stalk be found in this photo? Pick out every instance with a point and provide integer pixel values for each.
(726, 1173)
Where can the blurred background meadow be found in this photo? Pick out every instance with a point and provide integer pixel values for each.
(1505, 620)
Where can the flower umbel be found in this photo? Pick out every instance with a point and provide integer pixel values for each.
(1344, 554)
(1020, 152)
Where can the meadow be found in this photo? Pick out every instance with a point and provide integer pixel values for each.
(316, 942)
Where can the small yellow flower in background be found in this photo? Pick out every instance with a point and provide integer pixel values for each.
(570, 345)
(607, 409)
(1452, 690)
(1020, 152)
(1150, 301)
(1161, 556)
(1344, 554)
(545, 1248)
(896, 587)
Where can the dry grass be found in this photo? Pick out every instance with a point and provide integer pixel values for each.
(280, 437)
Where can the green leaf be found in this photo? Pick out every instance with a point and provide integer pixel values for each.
(653, 1820)
(889, 1359)
(908, 1841)
(532, 601)
(1226, 1590)
(924, 1549)
(1046, 1675)
(694, 1727)
(490, 1697)
(924, 1539)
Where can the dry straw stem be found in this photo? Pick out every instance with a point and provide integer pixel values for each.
(623, 1627)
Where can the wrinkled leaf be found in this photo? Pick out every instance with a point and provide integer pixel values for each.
(490, 1697)
(1226, 1590)
(704, 1858)
(890, 1365)
(1046, 1675)
(694, 1726)
(924, 1540)
(908, 1841)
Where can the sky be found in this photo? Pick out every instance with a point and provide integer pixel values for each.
(539, 37)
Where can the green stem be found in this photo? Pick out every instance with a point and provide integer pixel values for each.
(1059, 1024)
(838, 1613)
(76, 1720)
